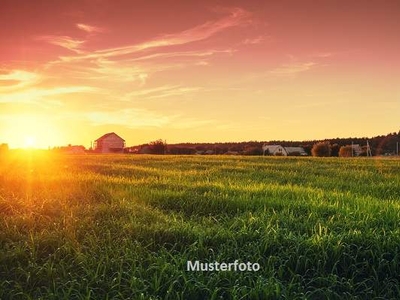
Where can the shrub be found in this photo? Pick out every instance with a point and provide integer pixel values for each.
(345, 151)
(253, 151)
(158, 147)
(321, 149)
(335, 148)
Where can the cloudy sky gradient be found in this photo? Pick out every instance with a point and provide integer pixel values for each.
(197, 71)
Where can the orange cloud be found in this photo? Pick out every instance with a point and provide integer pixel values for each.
(18, 79)
(163, 92)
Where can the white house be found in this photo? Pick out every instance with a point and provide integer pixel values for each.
(296, 151)
(109, 143)
(279, 150)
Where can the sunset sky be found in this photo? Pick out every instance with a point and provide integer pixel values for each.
(197, 71)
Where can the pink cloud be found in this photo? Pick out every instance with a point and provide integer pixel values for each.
(236, 17)
(63, 41)
(254, 41)
(201, 53)
(89, 28)
(291, 69)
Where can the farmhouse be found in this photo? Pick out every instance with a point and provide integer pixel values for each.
(296, 151)
(279, 150)
(109, 143)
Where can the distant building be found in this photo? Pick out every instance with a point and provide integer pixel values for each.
(295, 151)
(278, 150)
(357, 150)
(109, 143)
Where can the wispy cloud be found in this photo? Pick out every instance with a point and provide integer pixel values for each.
(16, 79)
(326, 54)
(20, 76)
(116, 71)
(63, 41)
(323, 54)
(107, 72)
(162, 92)
(202, 63)
(147, 92)
(37, 95)
(236, 17)
(127, 64)
(254, 41)
(121, 73)
(200, 53)
(90, 28)
(175, 92)
(292, 69)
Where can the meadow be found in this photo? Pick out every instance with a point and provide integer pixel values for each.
(124, 227)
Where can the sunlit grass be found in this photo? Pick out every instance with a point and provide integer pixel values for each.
(118, 227)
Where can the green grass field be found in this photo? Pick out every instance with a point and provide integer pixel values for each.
(124, 227)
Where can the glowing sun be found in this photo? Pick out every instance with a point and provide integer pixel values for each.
(30, 141)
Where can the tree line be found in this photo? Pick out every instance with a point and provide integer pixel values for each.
(379, 145)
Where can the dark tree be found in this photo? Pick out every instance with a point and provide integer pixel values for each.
(158, 147)
(251, 150)
(321, 149)
(335, 150)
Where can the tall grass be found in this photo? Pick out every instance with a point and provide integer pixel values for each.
(123, 227)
